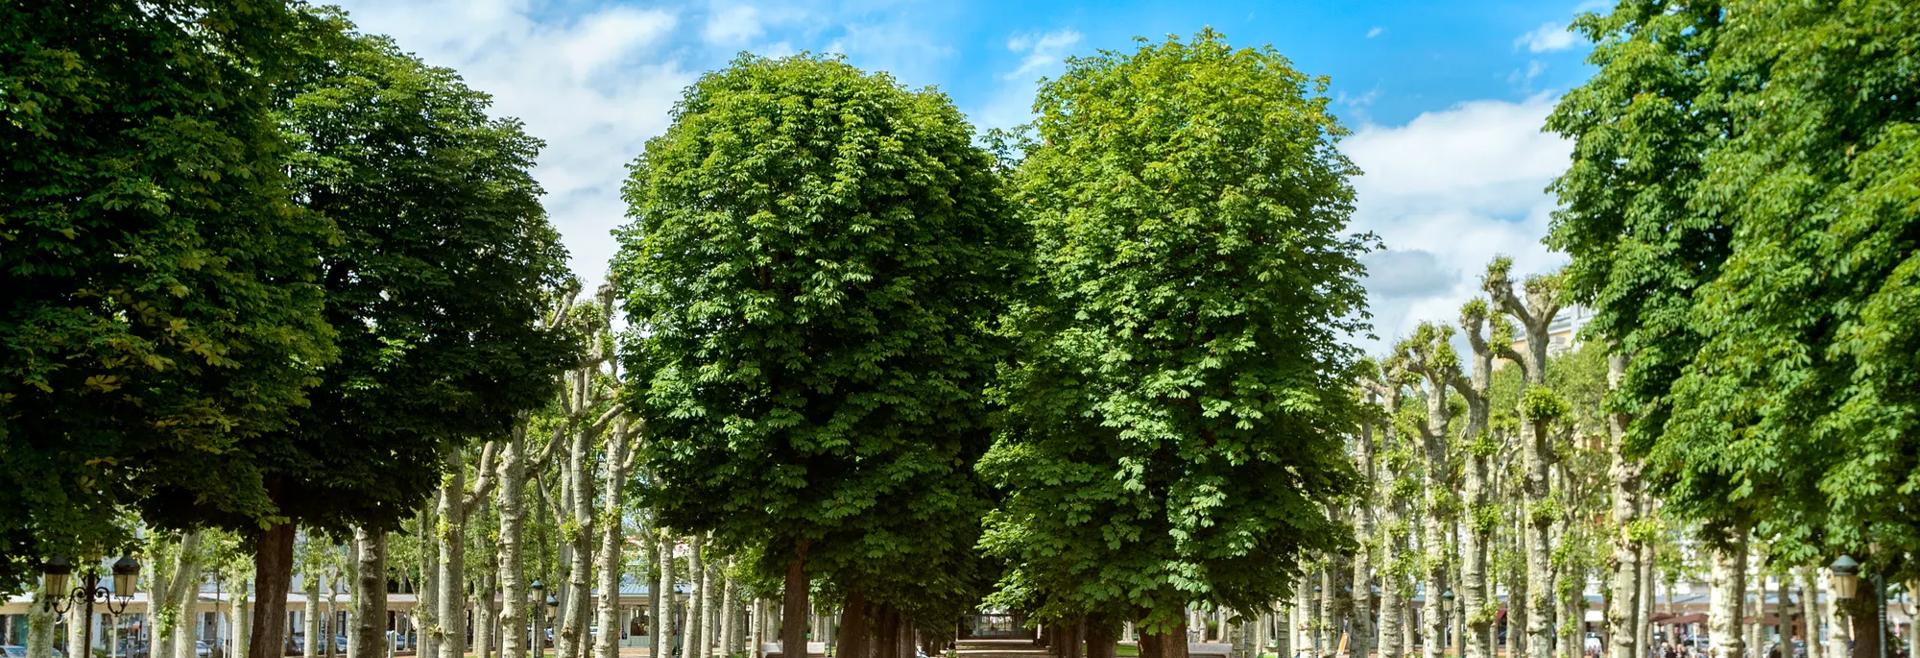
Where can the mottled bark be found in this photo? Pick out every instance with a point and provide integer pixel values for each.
(239, 613)
(1362, 630)
(369, 638)
(426, 607)
(619, 459)
(1812, 611)
(450, 598)
(1727, 607)
(1623, 586)
(657, 591)
(697, 615)
(729, 616)
(313, 578)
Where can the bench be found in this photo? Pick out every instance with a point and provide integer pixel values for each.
(1212, 649)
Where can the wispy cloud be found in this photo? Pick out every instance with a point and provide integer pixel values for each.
(1549, 37)
(1376, 31)
(1042, 51)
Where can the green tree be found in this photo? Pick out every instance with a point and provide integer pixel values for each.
(1764, 235)
(435, 287)
(1180, 411)
(815, 259)
(161, 308)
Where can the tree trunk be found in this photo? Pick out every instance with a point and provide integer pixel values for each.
(1476, 598)
(697, 614)
(1783, 613)
(1101, 642)
(729, 614)
(612, 561)
(1864, 612)
(1539, 529)
(1329, 615)
(1362, 557)
(578, 498)
(450, 599)
(369, 638)
(1839, 623)
(426, 605)
(1169, 643)
(1623, 595)
(854, 632)
(657, 591)
(310, 614)
(486, 615)
(272, 577)
(77, 625)
(1392, 642)
(793, 615)
(1813, 612)
(512, 503)
(240, 610)
(1726, 611)
(40, 623)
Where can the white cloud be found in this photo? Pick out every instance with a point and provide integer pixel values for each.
(594, 87)
(1376, 31)
(733, 25)
(1042, 51)
(1447, 192)
(1547, 38)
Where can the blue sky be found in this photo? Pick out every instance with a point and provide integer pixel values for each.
(1445, 99)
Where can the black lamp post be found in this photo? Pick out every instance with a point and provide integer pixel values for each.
(538, 635)
(56, 598)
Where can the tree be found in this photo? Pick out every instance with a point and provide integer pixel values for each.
(1742, 205)
(434, 287)
(815, 258)
(1179, 414)
(160, 307)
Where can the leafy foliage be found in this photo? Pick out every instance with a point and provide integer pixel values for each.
(160, 308)
(816, 260)
(1178, 414)
(1758, 281)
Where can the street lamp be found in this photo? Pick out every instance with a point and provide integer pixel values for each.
(56, 598)
(539, 634)
(1846, 577)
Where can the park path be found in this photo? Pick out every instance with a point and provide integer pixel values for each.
(1011, 648)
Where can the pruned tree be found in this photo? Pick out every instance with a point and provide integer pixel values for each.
(1179, 414)
(816, 258)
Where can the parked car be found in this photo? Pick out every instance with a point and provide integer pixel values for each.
(340, 644)
(296, 643)
(17, 651)
(201, 650)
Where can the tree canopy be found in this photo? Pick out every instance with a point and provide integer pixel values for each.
(161, 305)
(1178, 413)
(815, 262)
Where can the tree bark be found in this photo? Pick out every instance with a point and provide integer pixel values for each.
(578, 498)
(310, 614)
(793, 613)
(512, 502)
(1726, 611)
(729, 616)
(657, 591)
(369, 638)
(450, 598)
(1623, 596)
(1169, 643)
(272, 577)
(1101, 641)
(426, 596)
(240, 610)
(1839, 623)
(697, 614)
(1362, 557)
(1812, 612)
(1863, 610)
(612, 561)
